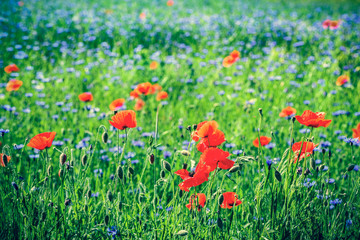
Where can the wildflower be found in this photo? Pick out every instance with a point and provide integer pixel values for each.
(356, 132)
(13, 85)
(11, 68)
(313, 119)
(161, 96)
(42, 140)
(86, 97)
(139, 104)
(153, 65)
(263, 141)
(230, 200)
(287, 112)
(134, 94)
(306, 149)
(142, 16)
(342, 80)
(214, 157)
(124, 119)
(193, 179)
(4, 157)
(231, 59)
(196, 201)
(209, 134)
(334, 24)
(170, 3)
(144, 88)
(117, 104)
(326, 24)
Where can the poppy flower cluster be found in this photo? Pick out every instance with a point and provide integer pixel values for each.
(147, 89)
(231, 59)
(331, 24)
(209, 137)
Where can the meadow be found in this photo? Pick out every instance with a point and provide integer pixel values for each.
(197, 119)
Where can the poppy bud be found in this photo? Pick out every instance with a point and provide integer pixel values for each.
(185, 153)
(151, 140)
(329, 153)
(162, 174)
(109, 196)
(16, 187)
(313, 164)
(120, 172)
(219, 223)
(131, 171)
(234, 169)
(49, 170)
(88, 194)
(351, 167)
(105, 137)
(323, 151)
(152, 159)
(220, 199)
(184, 165)
(67, 202)
(293, 119)
(182, 233)
(277, 175)
(322, 167)
(84, 160)
(188, 128)
(61, 173)
(107, 220)
(62, 159)
(167, 166)
(4, 159)
(195, 127)
(260, 111)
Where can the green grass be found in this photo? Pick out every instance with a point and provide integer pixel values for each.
(191, 38)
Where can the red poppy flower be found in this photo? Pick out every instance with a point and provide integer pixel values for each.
(326, 24)
(155, 88)
(342, 80)
(161, 96)
(231, 59)
(142, 16)
(170, 3)
(356, 132)
(153, 65)
(13, 85)
(139, 104)
(213, 140)
(124, 119)
(231, 200)
(144, 88)
(86, 97)
(263, 141)
(287, 112)
(117, 104)
(306, 150)
(334, 25)
(8, 158)
(215, 157)
(313, 119)
(195, 135)
(193, 179)
(196, 201)
(135, 94)
(11, 68)
(42, 140)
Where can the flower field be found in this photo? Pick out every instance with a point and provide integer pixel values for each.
(196, 119)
